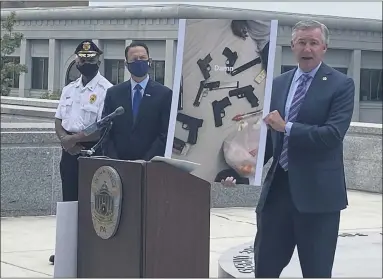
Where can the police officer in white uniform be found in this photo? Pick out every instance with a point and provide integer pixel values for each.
(80, 105)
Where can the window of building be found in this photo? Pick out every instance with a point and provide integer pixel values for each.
(286, 68)
(40, 73)
(13, 76)
(72, 73)
(342, 70)
(371, 85)
(114, 70)
(157, 71)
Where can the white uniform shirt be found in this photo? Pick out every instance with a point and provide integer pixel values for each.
(80, 105)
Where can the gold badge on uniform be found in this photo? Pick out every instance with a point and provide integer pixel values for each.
(86, 46)
(92, 98)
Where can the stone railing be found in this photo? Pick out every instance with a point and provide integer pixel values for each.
(30, 177)
(31, 107)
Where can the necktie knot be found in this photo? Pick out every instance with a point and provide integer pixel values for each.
(137, 87)
(305, 78)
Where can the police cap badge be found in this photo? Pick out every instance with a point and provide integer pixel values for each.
(87, 49)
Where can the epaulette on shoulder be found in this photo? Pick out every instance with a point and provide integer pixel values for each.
(105, 83)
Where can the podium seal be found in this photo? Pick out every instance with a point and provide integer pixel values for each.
(105, 201)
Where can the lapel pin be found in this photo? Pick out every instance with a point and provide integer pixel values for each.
(146, 94)
(324, 78)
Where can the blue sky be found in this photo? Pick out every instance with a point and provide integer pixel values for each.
(371, 10)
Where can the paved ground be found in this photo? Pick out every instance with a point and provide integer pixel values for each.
(8, 118)
(27, 242)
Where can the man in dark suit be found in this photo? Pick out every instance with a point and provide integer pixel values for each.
(140, 133)
(304, 190)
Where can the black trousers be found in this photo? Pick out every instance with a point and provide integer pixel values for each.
(69, 173)
(281, 228)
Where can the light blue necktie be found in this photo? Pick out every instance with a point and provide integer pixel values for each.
(136, 99)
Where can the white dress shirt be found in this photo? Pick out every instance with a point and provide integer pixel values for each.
(143, 84)
(293, 87)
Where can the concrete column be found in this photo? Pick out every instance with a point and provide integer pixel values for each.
(354, 72)
(25, 59)
(54, 66)
(126, 73)
(169, 63)
(100, 45)
(278, 60)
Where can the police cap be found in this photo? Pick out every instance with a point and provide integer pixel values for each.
(87, 49)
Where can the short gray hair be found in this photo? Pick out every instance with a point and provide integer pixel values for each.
(310, 24)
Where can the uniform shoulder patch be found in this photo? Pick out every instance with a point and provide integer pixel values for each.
(105, 83)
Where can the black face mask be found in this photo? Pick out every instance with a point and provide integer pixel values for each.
(88, 70)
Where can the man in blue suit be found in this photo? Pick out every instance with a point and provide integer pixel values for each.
(140, 133)
(304, 190)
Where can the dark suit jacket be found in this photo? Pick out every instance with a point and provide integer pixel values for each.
(315, 154)
(145, 138)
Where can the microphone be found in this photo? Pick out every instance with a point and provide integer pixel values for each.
(103, 122)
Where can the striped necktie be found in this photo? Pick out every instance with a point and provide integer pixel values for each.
(299, 96)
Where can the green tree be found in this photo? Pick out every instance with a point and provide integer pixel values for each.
(10, 40)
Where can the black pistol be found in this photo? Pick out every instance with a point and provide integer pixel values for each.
(204, 66)
(245, 92)
(219, 110)
(205, 86)
(231, 58)
(190, 124)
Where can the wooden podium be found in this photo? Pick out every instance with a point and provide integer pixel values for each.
(164, 224)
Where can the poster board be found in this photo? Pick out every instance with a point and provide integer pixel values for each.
(222, 90)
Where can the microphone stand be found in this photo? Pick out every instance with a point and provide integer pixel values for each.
(90, 152)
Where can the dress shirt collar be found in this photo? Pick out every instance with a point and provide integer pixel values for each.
(143, 83)
(299, 72)
(91, 84)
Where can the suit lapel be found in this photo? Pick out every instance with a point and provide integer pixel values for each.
(126, 101)
(145, 103)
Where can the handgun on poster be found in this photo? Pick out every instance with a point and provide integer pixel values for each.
(204, 66)
(231, 58)
(204, 87)
(190, 124)
(219, 110)
(245, 92)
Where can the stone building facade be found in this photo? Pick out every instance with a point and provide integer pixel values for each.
(51, 35)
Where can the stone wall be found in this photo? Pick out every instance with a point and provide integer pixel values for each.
(30, 178)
